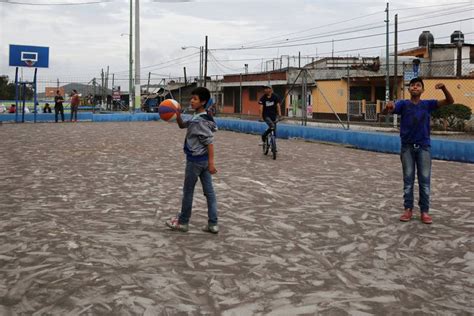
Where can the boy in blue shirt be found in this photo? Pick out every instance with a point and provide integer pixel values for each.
(199, 150)
(416, 146)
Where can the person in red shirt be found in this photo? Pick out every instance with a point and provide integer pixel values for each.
(12, 109)
(75, 100)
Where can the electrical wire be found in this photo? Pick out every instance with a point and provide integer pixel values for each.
(416, 17)
(54, 4)
(342, 39)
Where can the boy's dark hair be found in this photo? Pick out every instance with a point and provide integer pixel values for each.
(202, 93)
(417, 79)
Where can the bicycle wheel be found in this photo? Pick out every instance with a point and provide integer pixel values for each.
(266, 146)
(274, 146)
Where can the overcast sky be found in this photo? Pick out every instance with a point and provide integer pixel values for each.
(85, 38)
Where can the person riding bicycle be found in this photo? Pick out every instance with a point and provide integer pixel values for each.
(270, 110)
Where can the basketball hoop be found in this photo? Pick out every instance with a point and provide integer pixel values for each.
(30, 62)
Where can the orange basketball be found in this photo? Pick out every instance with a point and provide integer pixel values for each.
(168, 109)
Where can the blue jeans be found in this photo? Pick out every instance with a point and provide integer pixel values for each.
(195, 170)
(271, 125)
(420, 157)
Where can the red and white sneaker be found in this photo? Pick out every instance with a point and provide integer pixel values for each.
(425, 218)
(174, 224)
(407, 215)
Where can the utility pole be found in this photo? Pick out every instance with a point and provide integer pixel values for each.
(304, 107)
(130, 73)
(148, 83)
(102, 86)
(201, 62)
(106, 80)
(138, 92)
(205, 65)
(185, 79)
(387, 62)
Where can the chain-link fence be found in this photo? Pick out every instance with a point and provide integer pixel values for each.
(358, 93)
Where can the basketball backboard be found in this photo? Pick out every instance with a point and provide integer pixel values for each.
(29, 56)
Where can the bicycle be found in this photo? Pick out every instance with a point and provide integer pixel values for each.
(270, 142)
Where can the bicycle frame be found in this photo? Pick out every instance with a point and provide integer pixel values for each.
(270, 143)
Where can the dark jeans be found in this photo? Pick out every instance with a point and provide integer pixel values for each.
(195, 170)
(271, 125)
(419, 158)
(74, 112)
(58, 109)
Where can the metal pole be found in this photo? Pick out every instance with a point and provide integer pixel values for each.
(35, 95)
(16, 95)
(240, 97)
(130, 74)
(205, 65)
(148, 83)
(106, 83)
(201, 68)
(395, 71)
(387, 63)
(138, 93)
(185, 79)
(348, 97)
(23, 92)
(304, 110)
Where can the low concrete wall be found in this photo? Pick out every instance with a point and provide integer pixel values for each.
(44, 117)
(84, 116)
(126, 117)
(454, 150)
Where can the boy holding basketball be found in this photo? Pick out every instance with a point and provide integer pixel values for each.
(415, 149)
(199, 150)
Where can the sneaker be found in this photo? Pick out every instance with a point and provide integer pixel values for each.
(174, 224)
(211, 228)
(407, 215)
(425, 218)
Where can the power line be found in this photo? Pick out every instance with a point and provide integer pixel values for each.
(54, 4)
(163, 63)
(444, 12)
(359, 29)
(342, 39)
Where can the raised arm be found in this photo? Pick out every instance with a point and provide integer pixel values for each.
(448, 97)
(179, 120)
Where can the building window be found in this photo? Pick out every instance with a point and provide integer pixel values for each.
(253, 93)
(471, 55)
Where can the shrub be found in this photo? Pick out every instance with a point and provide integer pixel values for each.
(454, 115)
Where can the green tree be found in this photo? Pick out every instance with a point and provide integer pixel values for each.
(7, 90)
(455, 115)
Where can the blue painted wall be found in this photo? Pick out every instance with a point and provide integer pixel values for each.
(84, 116)
(44, 117)
(455, 150)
